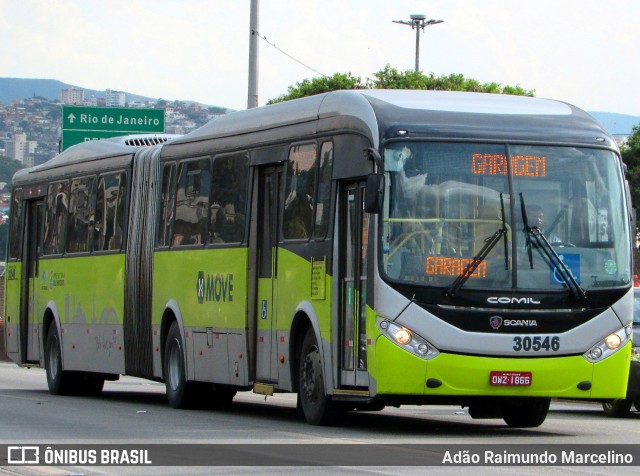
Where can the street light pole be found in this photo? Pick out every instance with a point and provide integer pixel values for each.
(418, 22)
(252, 96)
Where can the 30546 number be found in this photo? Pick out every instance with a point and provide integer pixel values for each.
(536, 343)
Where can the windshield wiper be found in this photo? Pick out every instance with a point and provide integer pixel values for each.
(470, 268)
(533, 234)
(526, 230)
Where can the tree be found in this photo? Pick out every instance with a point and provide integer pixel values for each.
(391, 78)
(631, 157)
(630, 151)
(323, 84)
(8, 167)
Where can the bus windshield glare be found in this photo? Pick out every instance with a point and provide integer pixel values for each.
(504, 216)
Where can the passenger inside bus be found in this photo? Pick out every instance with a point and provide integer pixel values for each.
(55, 228)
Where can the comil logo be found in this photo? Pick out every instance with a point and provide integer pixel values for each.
(511, 300)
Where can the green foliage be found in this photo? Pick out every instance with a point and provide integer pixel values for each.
(8, 167)
(631, 157)
(391, 78)
(217, 110)
(309, 87)
(633, 143)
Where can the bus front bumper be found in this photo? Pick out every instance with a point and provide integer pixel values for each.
(397, 372)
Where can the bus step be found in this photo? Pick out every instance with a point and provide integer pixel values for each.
(340, 394)
(263, 388)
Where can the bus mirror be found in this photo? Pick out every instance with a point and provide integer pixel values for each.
(373, 155)
(374, 194)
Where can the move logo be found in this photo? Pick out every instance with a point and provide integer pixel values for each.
(214, 287)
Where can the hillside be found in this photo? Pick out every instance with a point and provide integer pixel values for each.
(20, 88)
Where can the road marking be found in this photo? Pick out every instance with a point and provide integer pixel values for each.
(20, 398)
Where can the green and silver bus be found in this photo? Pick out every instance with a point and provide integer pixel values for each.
(360, 248)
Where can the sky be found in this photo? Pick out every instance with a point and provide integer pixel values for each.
(580, 51)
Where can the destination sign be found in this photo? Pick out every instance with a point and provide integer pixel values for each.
(82, 123)
(521, 165)
(445, 266)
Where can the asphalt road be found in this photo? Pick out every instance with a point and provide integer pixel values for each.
(135, 412)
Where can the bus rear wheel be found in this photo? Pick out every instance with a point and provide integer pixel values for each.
(59, 381)
(317, 407)
(525, 412)
(180, 393)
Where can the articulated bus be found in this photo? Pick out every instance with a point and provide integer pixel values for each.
(360, 248)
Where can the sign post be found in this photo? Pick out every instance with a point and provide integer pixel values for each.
(82, 123)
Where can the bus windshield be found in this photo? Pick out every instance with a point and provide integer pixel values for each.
(504, 216)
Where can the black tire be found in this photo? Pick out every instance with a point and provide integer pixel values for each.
(317, 406)
(636, 403)
(180, 393)
(59, 381)
(618, 408)
(90, 385)
(214, 397)
(525, 412)
(222, 397)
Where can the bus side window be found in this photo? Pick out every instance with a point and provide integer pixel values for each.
(56, 218)
(324, 191)
(299, 192)
(81, 214)
(192, 203)
(228, 199)
(15, 225)
(109, 212)
(167, 202)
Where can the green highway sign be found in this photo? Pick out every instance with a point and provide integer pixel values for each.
(70, 138)
(82, 123)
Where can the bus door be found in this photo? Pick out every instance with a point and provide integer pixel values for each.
(354, 226)
(30, 288)
(270, 195)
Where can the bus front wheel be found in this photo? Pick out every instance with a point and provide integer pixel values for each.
(525, 412)
(316, 405)
(618, 408)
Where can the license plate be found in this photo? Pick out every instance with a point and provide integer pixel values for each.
(510, 379)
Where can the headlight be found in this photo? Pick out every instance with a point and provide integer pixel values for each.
(407, 339)
(609, 345)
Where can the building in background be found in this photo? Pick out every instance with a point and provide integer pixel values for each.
(75, 96)
(114, 99)
(72, 96)
(21, 149)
